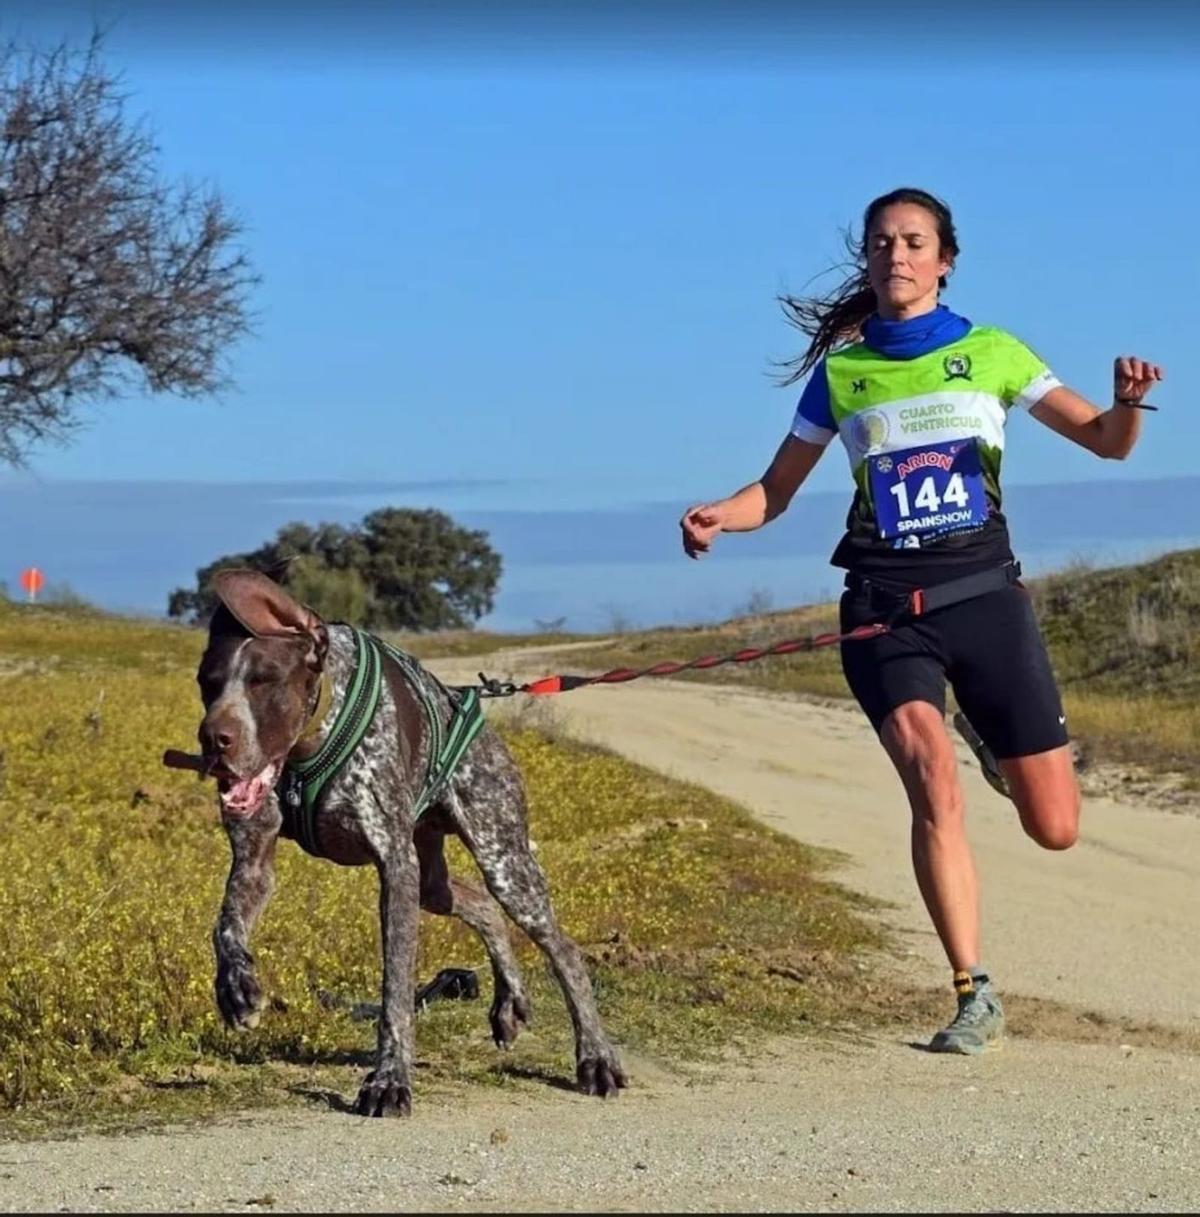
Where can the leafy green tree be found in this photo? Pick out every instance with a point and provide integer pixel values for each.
(429, 572)
(338, 595)
(401, 568)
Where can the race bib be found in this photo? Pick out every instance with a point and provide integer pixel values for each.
(924, 492)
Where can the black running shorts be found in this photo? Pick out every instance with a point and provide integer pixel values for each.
(990, 650)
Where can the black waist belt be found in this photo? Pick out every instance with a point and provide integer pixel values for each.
(921, 600)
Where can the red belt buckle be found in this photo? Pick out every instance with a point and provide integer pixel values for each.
(916, 601)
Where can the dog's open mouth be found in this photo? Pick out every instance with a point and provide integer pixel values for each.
(244, 796)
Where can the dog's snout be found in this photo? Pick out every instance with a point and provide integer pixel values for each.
(217, 737)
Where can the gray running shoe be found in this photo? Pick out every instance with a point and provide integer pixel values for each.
(977, 1027)
(983, 754)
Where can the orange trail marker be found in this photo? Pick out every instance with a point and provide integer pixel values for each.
(32, 580)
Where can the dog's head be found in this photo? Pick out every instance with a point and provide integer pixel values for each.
(259, 679)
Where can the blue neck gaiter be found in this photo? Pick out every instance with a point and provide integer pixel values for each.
(916, 335)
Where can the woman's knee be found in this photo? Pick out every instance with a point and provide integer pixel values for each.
(915, 737)
(1053, 827)
(1047, 797)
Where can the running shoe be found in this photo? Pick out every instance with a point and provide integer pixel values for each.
(977, 1027)
(983, 754)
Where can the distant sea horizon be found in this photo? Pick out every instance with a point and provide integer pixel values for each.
(124, 546)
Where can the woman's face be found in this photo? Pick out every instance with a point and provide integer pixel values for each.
(904, 260)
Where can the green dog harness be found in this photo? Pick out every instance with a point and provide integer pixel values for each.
(301, 782)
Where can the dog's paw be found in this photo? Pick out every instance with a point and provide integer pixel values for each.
(508, 1015)
(600, 1073)
(239, 996)
(385, 1092)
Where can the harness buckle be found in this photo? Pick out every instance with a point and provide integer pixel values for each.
(490, 686)
(916, 601)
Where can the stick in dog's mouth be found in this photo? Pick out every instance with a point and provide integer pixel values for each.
(174, 759)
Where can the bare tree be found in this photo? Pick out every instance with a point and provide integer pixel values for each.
(111, 280)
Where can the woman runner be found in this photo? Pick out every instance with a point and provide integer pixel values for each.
(919, 397)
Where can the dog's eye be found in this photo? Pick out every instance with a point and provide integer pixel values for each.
(258, 679)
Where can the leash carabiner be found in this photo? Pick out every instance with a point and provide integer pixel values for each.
(489, 686)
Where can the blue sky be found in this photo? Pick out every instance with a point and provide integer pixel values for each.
(545, 249)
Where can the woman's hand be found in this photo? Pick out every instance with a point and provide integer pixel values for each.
(1109, 433)
(1133, 378)
(700, 525)
(754, 505)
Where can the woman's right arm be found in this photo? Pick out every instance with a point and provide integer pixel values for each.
(754, 505)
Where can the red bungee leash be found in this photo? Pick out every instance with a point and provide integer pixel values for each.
(563, 683)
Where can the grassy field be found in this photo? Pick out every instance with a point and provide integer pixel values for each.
(704, 930)
(1123, 641)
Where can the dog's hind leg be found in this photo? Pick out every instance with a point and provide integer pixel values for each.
(457, 898)
(489, 810)
(247, 890)
(519, 885)
(510, 1010)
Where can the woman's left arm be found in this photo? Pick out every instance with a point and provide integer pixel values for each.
(1110, 433)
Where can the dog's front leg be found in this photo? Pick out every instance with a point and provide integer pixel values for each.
(247, 890)
(387, 1090)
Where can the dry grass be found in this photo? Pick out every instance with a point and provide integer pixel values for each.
(441, 644)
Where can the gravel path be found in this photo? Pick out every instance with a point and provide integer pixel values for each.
(879, 1127)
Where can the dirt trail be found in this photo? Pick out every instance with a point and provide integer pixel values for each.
(1107, 925)
(878, 1126)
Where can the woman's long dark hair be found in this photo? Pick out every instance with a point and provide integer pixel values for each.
(837, 317)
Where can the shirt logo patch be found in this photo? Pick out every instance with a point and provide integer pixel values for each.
(957, 367)
(870, 429)
(858, 386)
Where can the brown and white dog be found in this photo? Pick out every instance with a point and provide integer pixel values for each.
(261, 680)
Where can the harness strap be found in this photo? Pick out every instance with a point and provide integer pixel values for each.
(302, 781)
(923, 600)
(445, 750)
(466, 724)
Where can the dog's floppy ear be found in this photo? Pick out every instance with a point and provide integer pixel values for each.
(261, 606)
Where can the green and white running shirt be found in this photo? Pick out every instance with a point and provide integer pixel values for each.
(924, 434)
